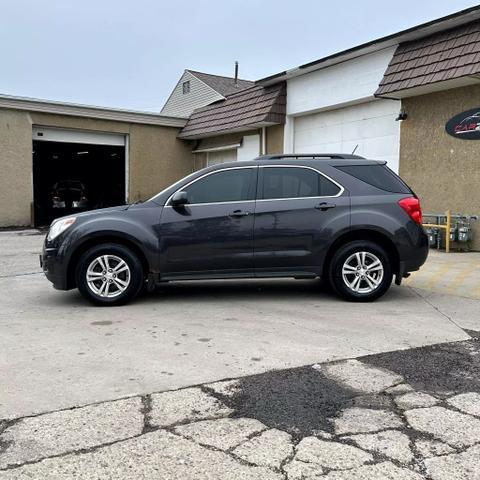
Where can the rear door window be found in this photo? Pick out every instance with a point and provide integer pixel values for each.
(295, 182)
(379, 176)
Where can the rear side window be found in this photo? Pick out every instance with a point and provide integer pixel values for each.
(295, 182)
(379, 176)
(233, 185)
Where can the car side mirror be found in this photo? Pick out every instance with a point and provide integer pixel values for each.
(179, 199)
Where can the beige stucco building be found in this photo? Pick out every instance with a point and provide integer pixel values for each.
(153, 155)
(426, 76)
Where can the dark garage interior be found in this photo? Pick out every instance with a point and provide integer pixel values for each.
(72, 177)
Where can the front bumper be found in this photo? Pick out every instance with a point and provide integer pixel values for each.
(53, 268)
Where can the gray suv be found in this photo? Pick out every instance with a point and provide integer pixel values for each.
(346, 219)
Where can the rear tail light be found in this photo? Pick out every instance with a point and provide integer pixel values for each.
(411, 205)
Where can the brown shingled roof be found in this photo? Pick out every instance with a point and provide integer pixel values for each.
(444, 56)
(223, 85)
(250, 108)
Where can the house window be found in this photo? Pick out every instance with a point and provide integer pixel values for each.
(186, 87)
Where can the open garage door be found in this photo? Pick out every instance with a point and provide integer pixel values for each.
(75, 171)
(369, 127)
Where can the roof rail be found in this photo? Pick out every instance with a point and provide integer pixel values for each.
(340, 156)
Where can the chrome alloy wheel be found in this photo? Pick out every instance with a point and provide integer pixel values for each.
(108, 276)
(362, 272)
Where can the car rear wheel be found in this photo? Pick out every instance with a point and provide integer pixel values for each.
(109, 274)
(361, 271)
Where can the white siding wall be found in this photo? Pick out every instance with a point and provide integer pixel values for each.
(347, 82)
(182, 105)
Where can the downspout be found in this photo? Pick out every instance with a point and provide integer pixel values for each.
(264, 140)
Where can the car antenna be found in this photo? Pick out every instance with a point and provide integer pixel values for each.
(355, 149)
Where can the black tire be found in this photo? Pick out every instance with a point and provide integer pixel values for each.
(339, 284)
(135, 277)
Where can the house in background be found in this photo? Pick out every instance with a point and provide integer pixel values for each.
(197, 89)
(228, 119)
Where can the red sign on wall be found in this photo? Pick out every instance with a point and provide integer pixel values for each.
(465, 125)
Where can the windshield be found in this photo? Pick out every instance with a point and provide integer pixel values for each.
(172, 186)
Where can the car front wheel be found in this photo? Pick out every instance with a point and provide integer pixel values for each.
(361, 271)
(109, 274)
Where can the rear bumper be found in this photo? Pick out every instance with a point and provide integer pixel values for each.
(53, 268)
(416, 255)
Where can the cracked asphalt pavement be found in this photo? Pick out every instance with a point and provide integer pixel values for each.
(253, 380)
(411, 414)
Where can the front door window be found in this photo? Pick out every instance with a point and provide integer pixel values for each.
(233, 185)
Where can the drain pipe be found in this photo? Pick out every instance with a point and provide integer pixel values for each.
(264, 140)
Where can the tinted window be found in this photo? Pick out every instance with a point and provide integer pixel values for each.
(287, 182)
(226, 186)
(327, 188)
(379, 176)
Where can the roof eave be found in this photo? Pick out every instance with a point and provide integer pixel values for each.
(414, 33)
(90, 111)
(428, 88)
(243, 128)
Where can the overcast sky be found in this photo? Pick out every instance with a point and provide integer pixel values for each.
(130, 54)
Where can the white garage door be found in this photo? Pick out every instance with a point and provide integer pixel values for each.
(371, 126)
(49, 134)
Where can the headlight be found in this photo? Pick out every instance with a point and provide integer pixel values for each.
(59, 226)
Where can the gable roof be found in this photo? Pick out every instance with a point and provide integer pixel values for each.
(223, 85)
(251, 108)
(444, 56)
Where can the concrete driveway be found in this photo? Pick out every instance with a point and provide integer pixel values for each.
(57, 351)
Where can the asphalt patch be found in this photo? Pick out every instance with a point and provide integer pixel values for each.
(438, 369)
(300, 401)
(303, 402)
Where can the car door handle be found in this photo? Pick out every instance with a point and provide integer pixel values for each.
(238, 213)
(324, 206)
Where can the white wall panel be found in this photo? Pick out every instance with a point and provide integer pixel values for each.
(250, 148)
(344, 83)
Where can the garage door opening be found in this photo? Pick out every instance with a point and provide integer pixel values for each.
(73, 177)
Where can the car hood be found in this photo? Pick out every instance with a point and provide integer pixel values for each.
(97, 212)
